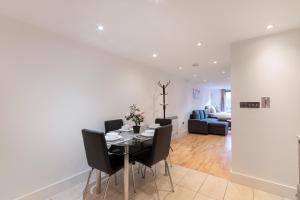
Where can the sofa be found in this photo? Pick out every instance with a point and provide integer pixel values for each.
(201, 123)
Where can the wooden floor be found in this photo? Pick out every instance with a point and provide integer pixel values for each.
(207, 153)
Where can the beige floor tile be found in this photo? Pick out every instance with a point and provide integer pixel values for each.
(260, 195)
(237, 192)
(200, 196)
(142, 195)
(193, 180)
(214, 187)
(186, 183)
(177, 172)
(70, 194)
(181, 193)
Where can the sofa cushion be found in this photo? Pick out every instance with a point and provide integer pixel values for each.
(215, 122)
(210, 120)
(196, 114)
(205, 113)
(201, 112)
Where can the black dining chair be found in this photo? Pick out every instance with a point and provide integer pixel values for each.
(164, 122)
(99, 158)
(112, 125)
(158, 152)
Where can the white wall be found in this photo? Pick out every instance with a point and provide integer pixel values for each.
(51, 88)
(264, 143)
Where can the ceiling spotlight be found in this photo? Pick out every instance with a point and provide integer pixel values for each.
(180, 68)
(223, 72)
(215, 62)
(270, 26)
(199, 44)
(100, 28)
(154, 55)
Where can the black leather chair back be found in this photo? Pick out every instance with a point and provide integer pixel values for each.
(163, 122)
(113, 125)
(161, 143)
(96, 150)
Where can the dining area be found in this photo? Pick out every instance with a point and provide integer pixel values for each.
(127, 155)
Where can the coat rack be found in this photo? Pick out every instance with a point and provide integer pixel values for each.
(164, 96)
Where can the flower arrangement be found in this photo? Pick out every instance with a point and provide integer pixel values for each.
(135, 115)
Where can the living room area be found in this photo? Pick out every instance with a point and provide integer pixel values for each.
(207, 146)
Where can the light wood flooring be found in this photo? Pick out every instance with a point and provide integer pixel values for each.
(207, 153)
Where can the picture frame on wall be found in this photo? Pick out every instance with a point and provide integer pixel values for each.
(196, 93)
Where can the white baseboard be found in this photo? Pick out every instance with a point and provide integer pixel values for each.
(264, 185)
(57, 187)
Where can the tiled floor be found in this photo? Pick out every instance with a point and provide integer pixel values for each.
(189, 185)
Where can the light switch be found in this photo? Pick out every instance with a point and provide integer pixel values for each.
(265, 102)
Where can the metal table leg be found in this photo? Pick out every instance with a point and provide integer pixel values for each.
(126, 172)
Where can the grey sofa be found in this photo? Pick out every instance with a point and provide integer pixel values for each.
(199, 122)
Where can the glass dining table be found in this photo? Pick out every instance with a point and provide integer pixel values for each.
(129, 144)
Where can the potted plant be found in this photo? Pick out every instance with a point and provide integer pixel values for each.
(136, 116)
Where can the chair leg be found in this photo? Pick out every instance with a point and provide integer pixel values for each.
(133, 179)
(139, 168)
(106, 188)
(155, 183)
(168, 169)
(153, 171)
(116, 180)
(144, 175)
(87, 184)
(170, 161)
(171, 148)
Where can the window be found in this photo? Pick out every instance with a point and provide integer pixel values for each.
(228, 101)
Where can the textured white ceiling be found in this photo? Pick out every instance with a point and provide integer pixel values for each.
(171, 28)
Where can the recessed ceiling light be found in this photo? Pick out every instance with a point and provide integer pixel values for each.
(215, 62)
(154, 55)
(199, 44)
(270, 26)
(100, 28)
(223, 72)
(180, 68)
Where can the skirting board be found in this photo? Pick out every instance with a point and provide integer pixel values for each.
(57, 187)
(264, 185)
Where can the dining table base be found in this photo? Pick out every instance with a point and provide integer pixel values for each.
(126, 172)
